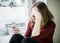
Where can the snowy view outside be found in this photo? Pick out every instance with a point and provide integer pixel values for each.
(11, 3)
(12, 12)
(16, 15)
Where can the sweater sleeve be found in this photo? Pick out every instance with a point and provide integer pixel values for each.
(48, 31)
(28, 31)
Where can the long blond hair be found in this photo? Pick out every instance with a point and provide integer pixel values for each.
(45, 13)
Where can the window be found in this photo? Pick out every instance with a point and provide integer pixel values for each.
(13, 12)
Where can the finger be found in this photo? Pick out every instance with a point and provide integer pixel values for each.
(15, 32)
(16, 29)
(13, 27)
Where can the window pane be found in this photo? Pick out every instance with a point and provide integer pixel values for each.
(10, 16)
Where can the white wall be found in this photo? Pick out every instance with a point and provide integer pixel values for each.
(54, 6)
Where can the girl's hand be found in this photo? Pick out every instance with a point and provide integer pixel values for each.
(15, 30)
(36, 12)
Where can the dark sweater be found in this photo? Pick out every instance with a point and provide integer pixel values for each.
(46, 33)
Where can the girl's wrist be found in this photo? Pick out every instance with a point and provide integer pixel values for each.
(38, 18)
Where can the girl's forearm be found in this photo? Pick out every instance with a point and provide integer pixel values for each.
(36, 29)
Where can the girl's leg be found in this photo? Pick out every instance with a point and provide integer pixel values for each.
(28, 40)
(16, 38)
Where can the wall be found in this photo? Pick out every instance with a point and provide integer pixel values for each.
(54, 6)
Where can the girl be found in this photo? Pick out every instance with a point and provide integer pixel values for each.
(40, 28)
